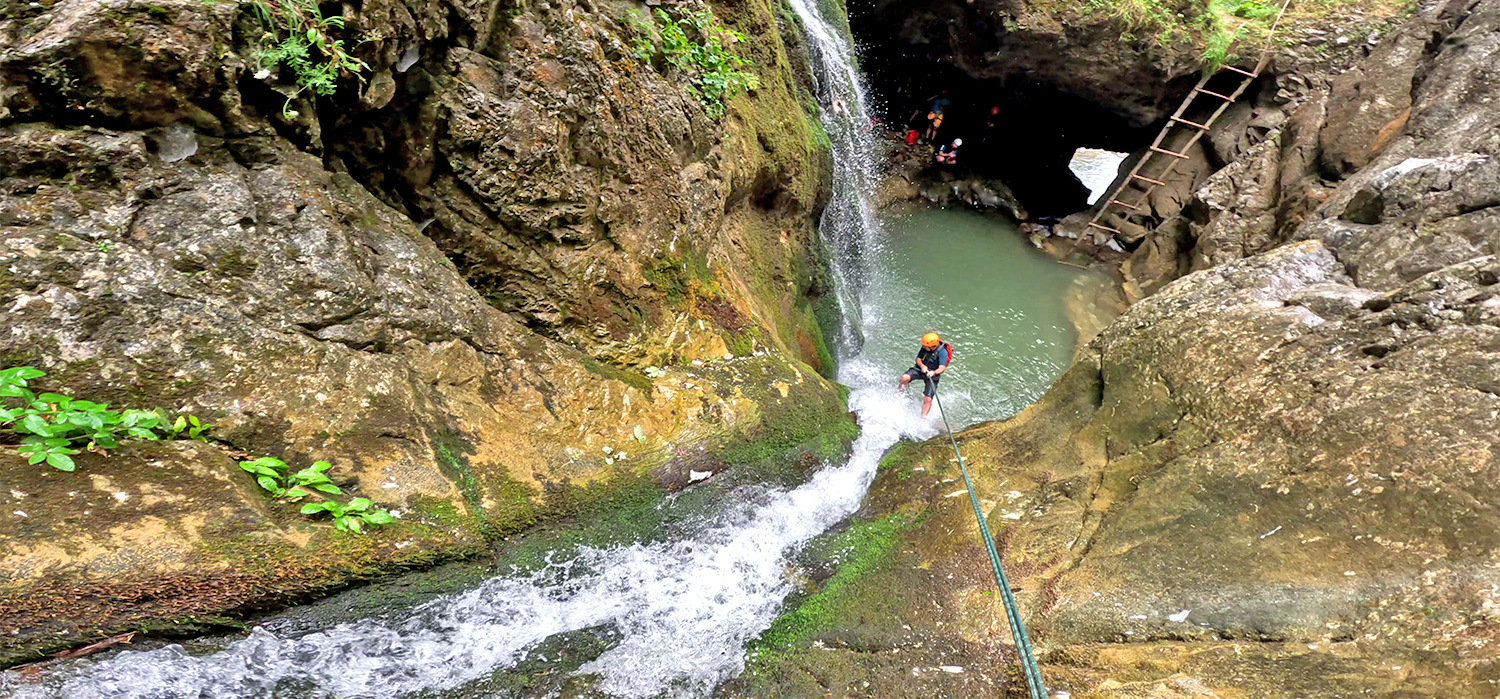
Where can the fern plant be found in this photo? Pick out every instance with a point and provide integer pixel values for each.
(298, 37)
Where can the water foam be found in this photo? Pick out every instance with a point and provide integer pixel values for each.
(684, 610)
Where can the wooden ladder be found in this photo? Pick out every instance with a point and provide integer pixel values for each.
(1176, 121)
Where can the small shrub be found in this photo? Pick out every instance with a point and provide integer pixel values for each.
(298, 36)
(350, 517)
(697, 45)
(276, 478)
(272, 475)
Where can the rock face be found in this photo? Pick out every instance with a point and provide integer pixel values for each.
(446, 278)
(1273, 477)
(909, 176)
(1078, 50)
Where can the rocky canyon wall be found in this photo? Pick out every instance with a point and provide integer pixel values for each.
(1274, 476)
(512, 273)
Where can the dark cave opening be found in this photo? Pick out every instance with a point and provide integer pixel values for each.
(1017, 127)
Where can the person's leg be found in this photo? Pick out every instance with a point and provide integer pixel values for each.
(929, 389)
(906, 379)
(926, 405)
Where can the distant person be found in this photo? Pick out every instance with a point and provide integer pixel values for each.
(932, 361)
(948, 154)
(940, 103)
(991, 121)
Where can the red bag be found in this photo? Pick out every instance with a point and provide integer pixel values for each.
(911, 137)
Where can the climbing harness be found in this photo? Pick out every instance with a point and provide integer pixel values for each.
(1033, 673)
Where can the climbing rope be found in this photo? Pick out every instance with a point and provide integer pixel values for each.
(1017, 628)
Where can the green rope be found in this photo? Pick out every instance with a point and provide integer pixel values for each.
(1017, 627)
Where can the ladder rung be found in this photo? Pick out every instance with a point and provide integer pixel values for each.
(1106, 228)
(1158, 183)
(1125, 204)
(1226, 98)
(1239, 70)
(1193, 124)
(1164, 151)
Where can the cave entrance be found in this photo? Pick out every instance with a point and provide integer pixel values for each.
(1020, 127)
(1097, 169)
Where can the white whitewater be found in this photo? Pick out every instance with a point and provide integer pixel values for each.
(683, 610)
(1098, 169)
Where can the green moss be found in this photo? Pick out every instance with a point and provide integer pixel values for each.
(451, 452)
(899, 456)
(626, 376)
(619, 511)
(742, 344)
(807, 421)
(677, 274)
(859, 551)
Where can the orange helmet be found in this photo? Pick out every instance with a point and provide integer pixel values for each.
(931, 340)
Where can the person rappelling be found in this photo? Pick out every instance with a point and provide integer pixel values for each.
(932, 361)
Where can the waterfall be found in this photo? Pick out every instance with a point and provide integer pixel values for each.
(848, 228)
(683, 611)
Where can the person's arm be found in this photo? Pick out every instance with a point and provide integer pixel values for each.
(942, 367)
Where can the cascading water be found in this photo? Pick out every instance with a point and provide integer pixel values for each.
(683, 611)
(678, 613)
(848, 227)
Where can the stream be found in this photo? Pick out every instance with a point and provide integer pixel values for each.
(673, 618)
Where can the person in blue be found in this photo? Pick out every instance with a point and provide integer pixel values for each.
(940, 102)
(948, 154)
(932, 361)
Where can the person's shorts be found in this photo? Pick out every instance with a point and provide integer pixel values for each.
(929, 386)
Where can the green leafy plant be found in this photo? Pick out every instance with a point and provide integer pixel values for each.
(351, 517)
(277, 478)
(274, 477)
(192, 425)
(298, 37)
(698, 46)
(53, 427)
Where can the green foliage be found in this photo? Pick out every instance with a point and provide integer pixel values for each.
(298, 37)
(54, 427)
(1251, 9)
(697, 45)
(1213, 25)
(351, 517)
(277, 478)
(273, 475)
(192, 425)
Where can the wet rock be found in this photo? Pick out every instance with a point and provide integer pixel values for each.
(1273, 474)
(171, 236)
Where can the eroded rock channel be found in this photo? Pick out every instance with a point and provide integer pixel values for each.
(605, 326)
